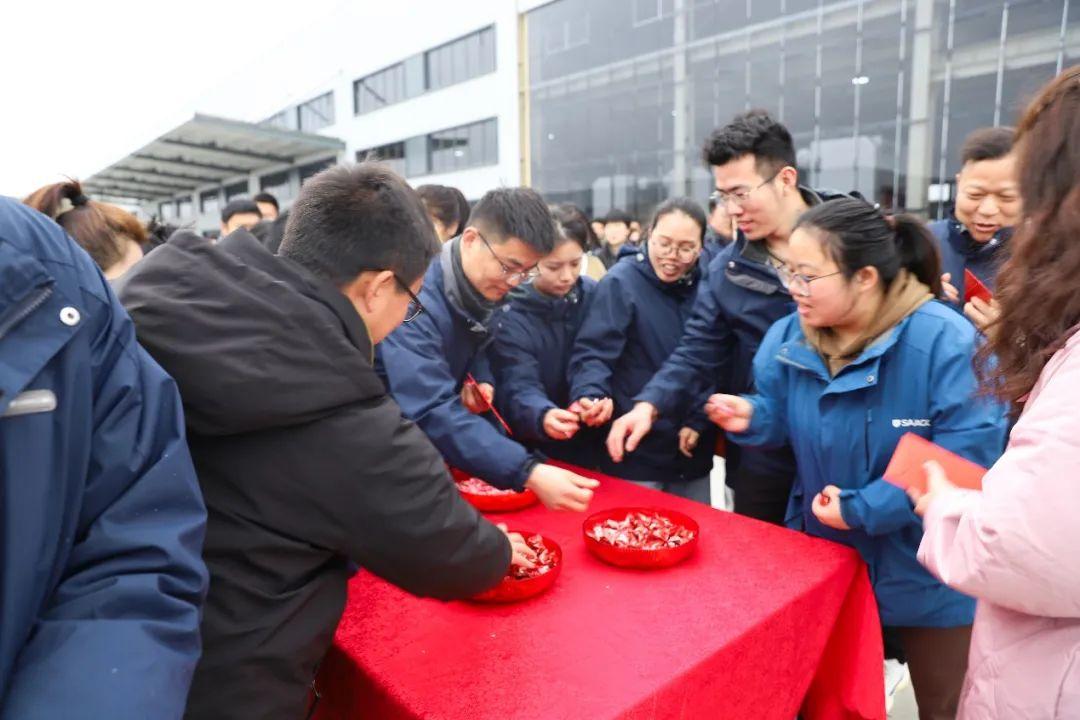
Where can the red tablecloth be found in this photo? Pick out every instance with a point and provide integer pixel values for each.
(759, 622)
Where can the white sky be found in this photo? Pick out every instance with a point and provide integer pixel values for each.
(83, 84)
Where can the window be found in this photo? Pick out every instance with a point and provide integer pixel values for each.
(210, 202)
(567, 35)
(284, 120)
(277, 184)
(312, 169)
(460, 60)
(379, 89)
(185, 207)
(647, 11)
(236, 190)
(463, 147)
(316, 113)
(167, 210)
(392, 155)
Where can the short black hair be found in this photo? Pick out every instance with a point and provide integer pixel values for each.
(991, 143)
(441, 203)
(265, 197)
(575, 226)
(618, 216)
(355, 217)
(684, 205)
(516, 212)
(464, 209)
(240, 205)
(751, 133)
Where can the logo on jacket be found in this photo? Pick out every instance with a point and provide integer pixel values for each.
(910, 422)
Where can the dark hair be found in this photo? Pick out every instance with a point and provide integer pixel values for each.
(464, 209)
(752, 133)
(265, 197)
(517, 212)
(618, 216)
(1037, 287)
(683, 205)
(574, 226)
(238, 206)
(356, 217)
(100, 228)
(857, 235)
(441, 203)
(987, 144)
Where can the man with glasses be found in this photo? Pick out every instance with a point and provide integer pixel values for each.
(753, 165)
(307, 465)
(429, 365)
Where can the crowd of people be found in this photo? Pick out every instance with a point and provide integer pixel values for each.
(201, 441)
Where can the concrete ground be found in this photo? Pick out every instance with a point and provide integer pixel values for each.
(904, 707)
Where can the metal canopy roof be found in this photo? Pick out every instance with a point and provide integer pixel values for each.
(204, 150)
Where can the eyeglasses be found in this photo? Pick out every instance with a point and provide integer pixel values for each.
(797, 283)
(415, 306)
(686, 252)
(739, 197)
(513, 277)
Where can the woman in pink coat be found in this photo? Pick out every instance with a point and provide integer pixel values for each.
(1015, 546)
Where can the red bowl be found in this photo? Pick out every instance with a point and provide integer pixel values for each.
(636, 557)
(511, 590)
(507, 502)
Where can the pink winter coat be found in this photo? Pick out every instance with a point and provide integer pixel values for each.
(1016, 548)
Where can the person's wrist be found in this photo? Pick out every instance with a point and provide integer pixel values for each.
(644, 406)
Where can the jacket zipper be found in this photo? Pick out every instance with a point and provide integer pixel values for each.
(27, 308)
(792, 363)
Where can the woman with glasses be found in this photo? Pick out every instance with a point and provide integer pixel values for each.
(635, 322)
(869, 356)
(535, 333)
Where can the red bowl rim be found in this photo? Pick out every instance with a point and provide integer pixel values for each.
(675, 516)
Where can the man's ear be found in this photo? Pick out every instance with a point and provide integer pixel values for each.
(789, 176)
(369, 287)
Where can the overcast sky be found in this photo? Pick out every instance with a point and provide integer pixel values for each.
(83, 84)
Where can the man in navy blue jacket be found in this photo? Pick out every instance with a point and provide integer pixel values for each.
(426, 363)
(976, 236)
(753, 164)
(101, 518)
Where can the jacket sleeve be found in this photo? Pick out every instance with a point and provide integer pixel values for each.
(600, 340)
(419, 378)
(967, 425)
(119, 635)
(519, 390)
(768, 424)
(1015, 544)
(703, 352)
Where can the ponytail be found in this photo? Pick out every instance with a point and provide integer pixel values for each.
(857, 235)
(918, 250)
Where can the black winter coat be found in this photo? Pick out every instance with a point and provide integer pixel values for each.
(306, 464)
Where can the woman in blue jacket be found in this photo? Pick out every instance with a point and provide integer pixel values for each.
(634, 324)
(868, 357)
(532, 347)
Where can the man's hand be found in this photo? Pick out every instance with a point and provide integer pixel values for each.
(561, 489)
(826, 508)
(522, 555)
(688, 440)
(730, 412)
(595, 413)
(951, 293)
(982, 313)
(561, 424)
(627, 432)
(477, 398)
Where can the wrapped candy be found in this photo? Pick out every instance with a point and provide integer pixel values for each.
(545, 560)
(641, 530)
(476, 486)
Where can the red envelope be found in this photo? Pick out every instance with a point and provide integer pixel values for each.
(973, 287)
(906, 467)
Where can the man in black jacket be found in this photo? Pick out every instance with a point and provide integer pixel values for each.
(306, 464)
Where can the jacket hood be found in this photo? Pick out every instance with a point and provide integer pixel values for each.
(253, 340)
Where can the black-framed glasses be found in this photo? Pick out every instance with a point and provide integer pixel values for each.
(415, 306)
(739, 197)
(511, 275)
(797, 283)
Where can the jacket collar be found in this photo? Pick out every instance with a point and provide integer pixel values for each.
(959, 238)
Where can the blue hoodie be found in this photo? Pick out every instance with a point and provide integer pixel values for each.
(634, 323)
(101, 519)
(919, 378)
(529, 357)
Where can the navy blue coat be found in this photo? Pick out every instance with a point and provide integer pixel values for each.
(101, 519)
(959, 252)
(919, 378)
(633, 325)
(529, 357)
(424, 363)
